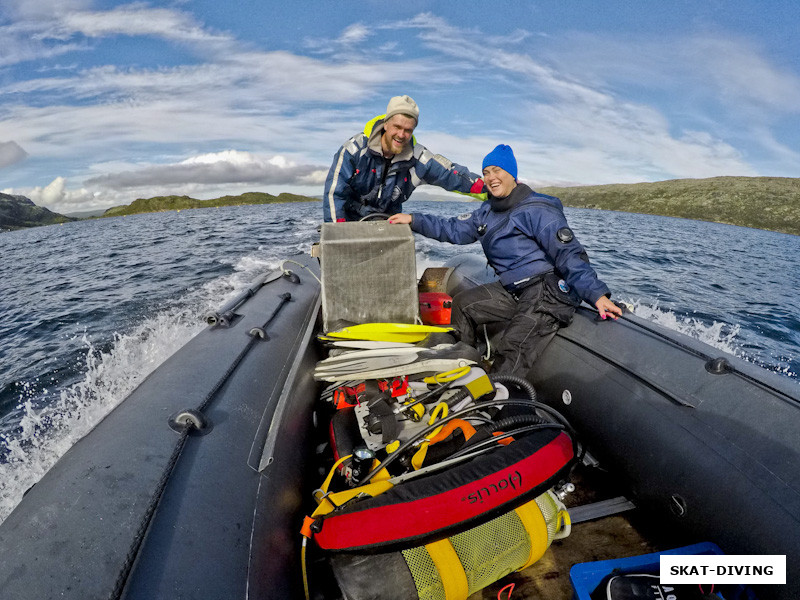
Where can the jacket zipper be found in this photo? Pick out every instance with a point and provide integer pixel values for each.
(387, 163)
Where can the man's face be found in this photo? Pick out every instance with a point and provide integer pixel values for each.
(499, 181)
(397, 132)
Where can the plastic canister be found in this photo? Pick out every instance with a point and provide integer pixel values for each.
(435, 308)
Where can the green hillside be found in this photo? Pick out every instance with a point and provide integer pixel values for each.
(166, 203)
(19, 212)
(771, 203)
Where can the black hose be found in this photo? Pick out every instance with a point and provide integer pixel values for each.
(522, 383)
(458, 397)
(515, 420)
(528, 388)
(423, 433)
(425, 397)
(494, 440)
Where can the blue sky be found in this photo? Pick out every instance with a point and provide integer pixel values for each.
(104, 102)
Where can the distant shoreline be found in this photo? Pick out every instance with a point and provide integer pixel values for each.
(170, 203)
(768, 203)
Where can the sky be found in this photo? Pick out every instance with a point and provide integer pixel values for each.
(105, 102)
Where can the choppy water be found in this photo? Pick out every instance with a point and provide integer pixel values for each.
(90, 308)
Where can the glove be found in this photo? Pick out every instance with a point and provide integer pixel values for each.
(477, 187)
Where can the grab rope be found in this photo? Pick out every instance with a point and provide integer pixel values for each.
(125, 571)
(138, 538)
(294, 262)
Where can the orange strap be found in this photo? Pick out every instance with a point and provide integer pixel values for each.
(467, 429)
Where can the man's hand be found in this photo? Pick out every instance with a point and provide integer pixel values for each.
(400, 218)
(607, 308)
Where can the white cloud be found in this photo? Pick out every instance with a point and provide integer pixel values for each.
(229, 166)
(742, 74)
(58, 198)
(354, 34)
(140, 20)
(598, 136)
(43, 29)
(725, 85)
(51, 194)
(11, 153)
(566, 106)
(345, 44)
(39, 9)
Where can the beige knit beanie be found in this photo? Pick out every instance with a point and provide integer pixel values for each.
(402, 105)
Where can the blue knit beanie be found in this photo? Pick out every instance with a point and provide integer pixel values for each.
(502, 156)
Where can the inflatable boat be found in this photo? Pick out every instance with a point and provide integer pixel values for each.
(199, 483)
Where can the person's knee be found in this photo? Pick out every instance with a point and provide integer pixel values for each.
(470, 296)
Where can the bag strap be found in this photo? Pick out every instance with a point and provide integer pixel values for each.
(451, 571)
(533, 521)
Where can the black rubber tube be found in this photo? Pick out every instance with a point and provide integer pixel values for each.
(515, 420)
(522, 383)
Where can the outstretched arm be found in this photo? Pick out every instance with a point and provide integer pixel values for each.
(438, 170)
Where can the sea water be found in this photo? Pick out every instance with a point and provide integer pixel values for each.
(88, 309)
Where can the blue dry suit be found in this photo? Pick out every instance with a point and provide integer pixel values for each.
(543, 272)
(361, 181)
(522, 243)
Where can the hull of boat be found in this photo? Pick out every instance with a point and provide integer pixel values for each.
(139, 510)
(712, 445)
(709, 443)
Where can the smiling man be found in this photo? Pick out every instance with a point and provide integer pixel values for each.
(543, 271)
(376, 170)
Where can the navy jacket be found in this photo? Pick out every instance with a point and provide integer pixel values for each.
(523, 236)
(361, 181)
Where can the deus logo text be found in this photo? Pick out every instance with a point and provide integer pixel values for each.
(512, 482)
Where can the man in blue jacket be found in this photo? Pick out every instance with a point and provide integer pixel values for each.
(375, 171)
(543, 270)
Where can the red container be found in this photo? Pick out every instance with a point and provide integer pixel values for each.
(435, 307)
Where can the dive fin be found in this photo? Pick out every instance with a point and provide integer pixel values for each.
(353, 355)
(367, 344)
(365, 364)
(377, 364)
(388, 332)
(431, 365)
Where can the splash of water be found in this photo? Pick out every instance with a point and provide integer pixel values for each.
(718, 335)
(43, 434)
(722, 336)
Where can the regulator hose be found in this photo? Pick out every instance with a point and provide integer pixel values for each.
(457, 397)
(527, 387)
(516, 420)
(494, 440)
(411, 442)
(522, 383)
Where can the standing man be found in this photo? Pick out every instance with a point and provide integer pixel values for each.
(377, 170)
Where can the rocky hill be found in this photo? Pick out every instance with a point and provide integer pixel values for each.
(19, 212)
(164, 203)
(771, 203)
